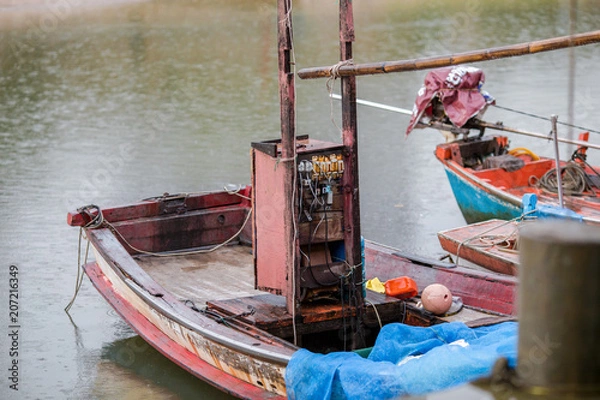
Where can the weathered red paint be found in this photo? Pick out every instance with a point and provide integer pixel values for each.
(152, 207)
(478, 289)
(271, 245)
(350, 179)
(194, 229)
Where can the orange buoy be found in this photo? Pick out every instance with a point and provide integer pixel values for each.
(436, 298)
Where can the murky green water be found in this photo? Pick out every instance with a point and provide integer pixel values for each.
(117, 103)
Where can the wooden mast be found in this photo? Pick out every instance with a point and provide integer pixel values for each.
(454, 59)
(288, 151)
(350, 183)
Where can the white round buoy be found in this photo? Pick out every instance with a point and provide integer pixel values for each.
(436, 298)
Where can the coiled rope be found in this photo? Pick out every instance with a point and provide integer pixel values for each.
(574, 180)
(495, 239)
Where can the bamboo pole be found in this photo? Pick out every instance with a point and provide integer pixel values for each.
(453, 59)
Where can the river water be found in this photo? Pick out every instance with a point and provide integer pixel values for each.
(117, 103)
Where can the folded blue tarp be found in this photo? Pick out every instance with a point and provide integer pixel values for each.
(404, 361)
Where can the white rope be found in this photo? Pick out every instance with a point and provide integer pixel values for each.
(180, 253)
(481, 234)
(376, 312)
(95, 222)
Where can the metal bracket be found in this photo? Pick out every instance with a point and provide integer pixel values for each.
(170, 203)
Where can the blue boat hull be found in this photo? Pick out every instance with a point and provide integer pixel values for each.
(477, 204)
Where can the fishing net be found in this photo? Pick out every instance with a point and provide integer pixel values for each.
(404, 361)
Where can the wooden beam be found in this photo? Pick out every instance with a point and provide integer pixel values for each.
(287, 99)
(453, 59)
(350, 182)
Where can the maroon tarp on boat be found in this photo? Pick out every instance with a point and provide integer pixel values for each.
(458, 88)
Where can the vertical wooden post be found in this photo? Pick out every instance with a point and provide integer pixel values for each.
(352, 236)
(288, 151)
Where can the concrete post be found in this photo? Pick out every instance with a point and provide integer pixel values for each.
(559, 308)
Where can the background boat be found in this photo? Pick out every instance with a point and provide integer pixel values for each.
(484, 190)
(488, 178)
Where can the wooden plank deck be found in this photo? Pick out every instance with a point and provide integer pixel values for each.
(489, 244)
(223, 274)
(223, 282)
(271, 315)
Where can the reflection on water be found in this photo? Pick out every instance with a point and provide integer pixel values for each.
(116, 103)
(137, 371)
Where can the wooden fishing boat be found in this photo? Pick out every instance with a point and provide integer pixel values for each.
(487, 178)
(491, 244)
(157, 264)
(485, 189)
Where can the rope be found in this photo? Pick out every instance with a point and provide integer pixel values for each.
(334, 70)
(334, 73)
(503, 242)
(519, 218)
(580, 156)
(96, 220)
(574, 179)
(376, 312)
(543, 118)
(179, 253)
(227, 188)
(236, 192)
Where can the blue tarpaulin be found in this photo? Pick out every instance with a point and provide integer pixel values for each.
(404, 361)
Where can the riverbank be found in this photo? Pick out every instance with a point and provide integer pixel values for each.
(49, 5)
(46, 14)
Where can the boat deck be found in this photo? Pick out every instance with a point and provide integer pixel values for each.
(223, 281)
(223, 274)
(490, 244)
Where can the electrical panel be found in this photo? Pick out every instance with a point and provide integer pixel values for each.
(318, 218)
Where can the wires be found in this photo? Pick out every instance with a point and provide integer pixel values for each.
(543, 118)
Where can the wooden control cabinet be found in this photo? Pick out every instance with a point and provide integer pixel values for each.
(318, 217)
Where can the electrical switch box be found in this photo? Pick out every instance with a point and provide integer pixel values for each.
(316, 205)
